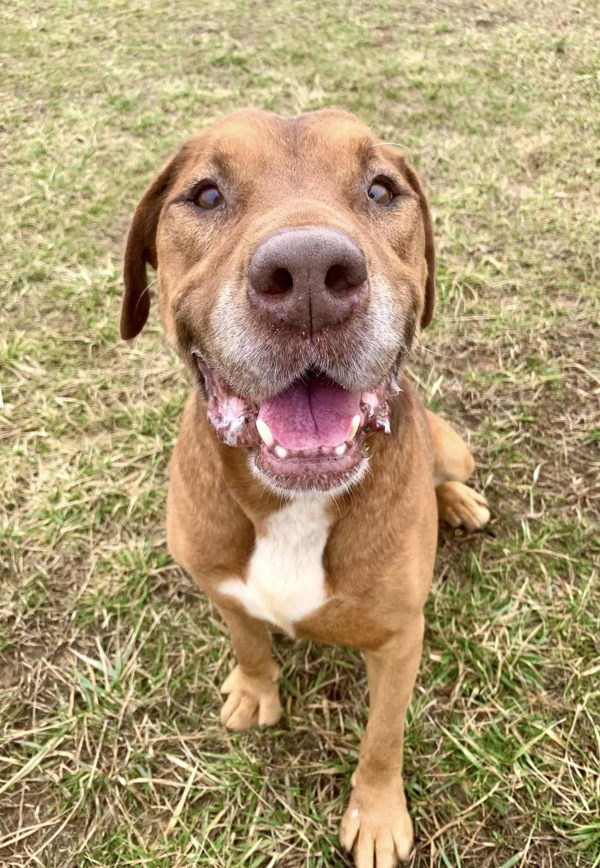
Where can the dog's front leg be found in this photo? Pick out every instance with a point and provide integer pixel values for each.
(253, 694)
(377, 825)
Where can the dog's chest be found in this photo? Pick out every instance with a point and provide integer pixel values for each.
(286, 580)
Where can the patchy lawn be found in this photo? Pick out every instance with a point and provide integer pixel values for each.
(111, 752)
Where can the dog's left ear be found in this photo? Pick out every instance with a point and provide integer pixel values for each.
(140, 249)
(413, 179)
(415, 183)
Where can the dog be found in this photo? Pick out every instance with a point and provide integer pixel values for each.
(296, 267)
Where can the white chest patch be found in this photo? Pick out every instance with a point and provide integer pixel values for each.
(286, 579)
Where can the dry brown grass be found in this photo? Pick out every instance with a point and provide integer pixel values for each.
(111, 753)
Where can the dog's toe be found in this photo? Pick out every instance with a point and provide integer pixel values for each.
(239, 711)
(250, 700)
(461, 506)
(377, 827)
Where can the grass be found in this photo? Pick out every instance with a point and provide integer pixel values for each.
(111, 753)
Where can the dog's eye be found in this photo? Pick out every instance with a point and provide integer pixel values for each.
(208, 197)
(381, 192)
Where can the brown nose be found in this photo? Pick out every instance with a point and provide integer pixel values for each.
(307, 278)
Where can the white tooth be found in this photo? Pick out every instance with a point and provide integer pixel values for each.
(280, 452)
(339, 450)
(265, 433)
(353, 427)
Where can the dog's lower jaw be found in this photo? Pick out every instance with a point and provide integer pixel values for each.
(329, 485)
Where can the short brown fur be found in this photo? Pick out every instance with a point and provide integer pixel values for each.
(380, 551)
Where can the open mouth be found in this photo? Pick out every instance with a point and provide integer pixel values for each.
(310, 436)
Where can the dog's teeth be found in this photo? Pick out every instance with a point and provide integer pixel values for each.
(280, 452)
(353, 427)
(339, 450)
(265, 433)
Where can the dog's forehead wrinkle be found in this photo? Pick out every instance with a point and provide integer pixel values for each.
(218, 160)
(232, 142)
(257, 144)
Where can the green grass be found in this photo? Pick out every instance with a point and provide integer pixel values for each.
(111, 752)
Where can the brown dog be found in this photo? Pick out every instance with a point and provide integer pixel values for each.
(296, 264)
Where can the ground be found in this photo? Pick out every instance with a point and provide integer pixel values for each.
(111, 751)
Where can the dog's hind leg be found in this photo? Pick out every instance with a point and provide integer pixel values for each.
(458, 504)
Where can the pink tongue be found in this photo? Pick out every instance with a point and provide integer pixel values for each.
(308, 415)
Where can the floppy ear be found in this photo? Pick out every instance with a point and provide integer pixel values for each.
(413, 179)
(141, 249)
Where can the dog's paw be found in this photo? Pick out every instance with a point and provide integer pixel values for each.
(460, 505)
(250, 700)
(377, 827)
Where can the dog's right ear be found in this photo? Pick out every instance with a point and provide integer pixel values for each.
(140, 249)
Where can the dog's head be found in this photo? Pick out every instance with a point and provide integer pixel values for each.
(295, 262)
